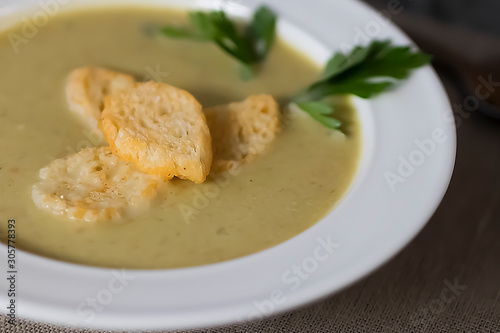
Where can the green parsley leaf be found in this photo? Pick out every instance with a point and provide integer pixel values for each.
(181, 33)
(246, 72)
(230, 40)
(322, 112)
(341, 62)
(202, 25)
(262, 31)
(365, 72)
(249, 45)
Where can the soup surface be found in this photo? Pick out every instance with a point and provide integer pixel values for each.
(296, 183)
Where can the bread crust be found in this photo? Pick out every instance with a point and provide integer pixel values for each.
(87, 88)
(242, 131)
(159, 128)
(94, 185)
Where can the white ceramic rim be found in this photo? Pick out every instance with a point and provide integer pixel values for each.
(371, 225)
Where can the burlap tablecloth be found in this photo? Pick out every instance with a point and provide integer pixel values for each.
(446, 280)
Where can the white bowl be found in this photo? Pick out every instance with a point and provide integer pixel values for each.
(373, 223)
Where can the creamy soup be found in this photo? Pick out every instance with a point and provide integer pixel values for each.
(299, 180)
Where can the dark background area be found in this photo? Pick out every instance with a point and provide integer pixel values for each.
(462, 35)
(482, 15)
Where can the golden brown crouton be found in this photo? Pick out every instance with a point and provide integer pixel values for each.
(87, 88)
(241, 131)
(94, 185)
(161, 129)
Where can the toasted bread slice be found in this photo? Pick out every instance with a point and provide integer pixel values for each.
(94, 185)
(161, 129)
(242, 131)
(87, 88)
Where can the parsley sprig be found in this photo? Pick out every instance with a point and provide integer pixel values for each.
(365, 72)
(248, 44)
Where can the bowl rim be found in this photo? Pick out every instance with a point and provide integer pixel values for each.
(221, 299)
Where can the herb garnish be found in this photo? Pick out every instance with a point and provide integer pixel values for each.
(250, 45)
(365, 72)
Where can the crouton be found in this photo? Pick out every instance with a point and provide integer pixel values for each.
(94, 185)
(87, 88)
(242, 131)
(161, 129)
